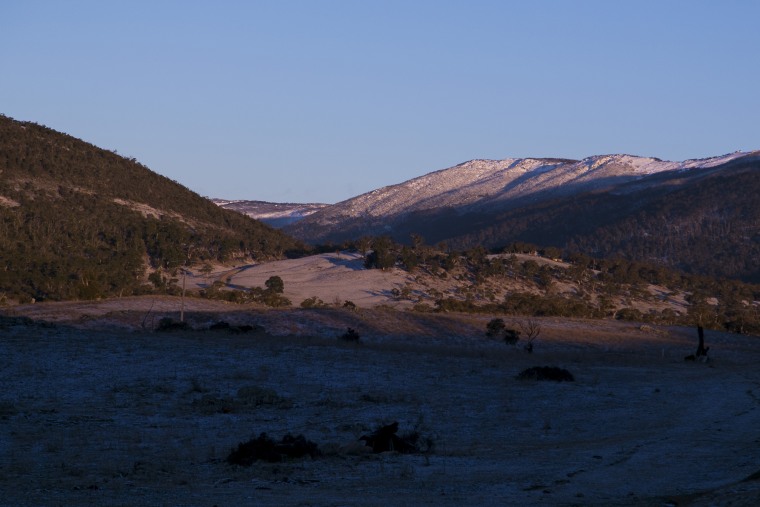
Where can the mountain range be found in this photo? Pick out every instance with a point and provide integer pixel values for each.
(274, 214)
(682, 214)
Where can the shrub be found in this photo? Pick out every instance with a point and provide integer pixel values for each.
(275, 285)
(274, 300)
(629, 314)
(385, 439)
(169, 324)
(495, 327)
(351, 335)
(225, 326)
(219, 326)
(511, 336)
(546, 373)
(266, 449)
(313, 302)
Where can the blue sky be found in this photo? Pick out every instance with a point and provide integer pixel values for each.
(319, 101)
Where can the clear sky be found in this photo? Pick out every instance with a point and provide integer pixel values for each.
(319, 101)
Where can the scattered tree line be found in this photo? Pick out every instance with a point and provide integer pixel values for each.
(603, 286)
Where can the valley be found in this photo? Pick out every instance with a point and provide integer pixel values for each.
(145, 332)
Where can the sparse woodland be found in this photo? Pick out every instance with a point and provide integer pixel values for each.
(523, 279)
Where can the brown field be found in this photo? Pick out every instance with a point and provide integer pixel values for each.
(96, 409)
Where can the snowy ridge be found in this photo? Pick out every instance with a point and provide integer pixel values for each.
(275, 214)
(494, 183)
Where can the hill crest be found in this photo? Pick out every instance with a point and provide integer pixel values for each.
(78, 221)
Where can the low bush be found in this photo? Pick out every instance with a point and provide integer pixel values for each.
(313, 302)
(546, 373)
(169, 324)
(265, 449)
(495, 327)
(511, 336)
(226, 326)
(351, 335)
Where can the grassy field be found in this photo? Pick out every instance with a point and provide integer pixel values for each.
(97, 410)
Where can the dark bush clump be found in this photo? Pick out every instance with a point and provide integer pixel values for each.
(219, 326)
(6, 321)
(495, 327)
(511, 336)
(546, 373)
(265, 449)
(384, 439)
(169, 324)
(351, 335)
(225, 326)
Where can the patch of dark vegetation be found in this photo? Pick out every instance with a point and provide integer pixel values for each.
(421, 443)
(226, 326)
(385, 439)
(511, 336)
(351, 335)
(753, 477)
(546, 373)
(497, 328)
(219, 326)
(264, 448)
(6, 321)
(169, 324)
(313, 302)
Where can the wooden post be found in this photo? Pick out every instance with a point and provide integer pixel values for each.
(182, 304)
(701, 350)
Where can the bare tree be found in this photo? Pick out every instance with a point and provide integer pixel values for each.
(531, 329)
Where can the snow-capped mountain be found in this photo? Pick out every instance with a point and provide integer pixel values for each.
(274, 214)
(487, 186)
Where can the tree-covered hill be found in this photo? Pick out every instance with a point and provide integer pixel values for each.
(704, 221)
(707, 223)
(77, 221)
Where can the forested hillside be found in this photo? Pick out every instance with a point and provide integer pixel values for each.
(701, 216)
(77, 221)
(706, 224)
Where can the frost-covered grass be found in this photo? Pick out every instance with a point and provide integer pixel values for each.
(108, 416)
